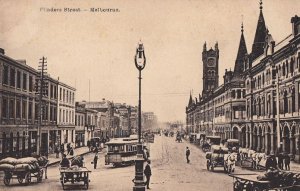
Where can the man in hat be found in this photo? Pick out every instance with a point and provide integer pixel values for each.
(187, 153)
(148, 173)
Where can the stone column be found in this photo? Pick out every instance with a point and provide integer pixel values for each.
(296, 97)
(251, 140)
(263, 142)
(266, 142)
(247, 145)
(272, 142)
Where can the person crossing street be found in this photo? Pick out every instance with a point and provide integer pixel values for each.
(187, 153)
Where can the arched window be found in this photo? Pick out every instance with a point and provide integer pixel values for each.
(283, 69)
(292, 65)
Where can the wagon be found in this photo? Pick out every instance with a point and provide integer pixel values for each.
(70, 176)
(215, 158)
(249, 182)
(23, 175)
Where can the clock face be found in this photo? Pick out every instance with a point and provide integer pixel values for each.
(211, 63)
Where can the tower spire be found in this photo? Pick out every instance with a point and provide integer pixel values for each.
(260, 5)
(260, 35)
(242, 51)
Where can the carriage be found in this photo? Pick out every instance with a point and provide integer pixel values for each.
(215, 158)
(71, 176)
(210, 140)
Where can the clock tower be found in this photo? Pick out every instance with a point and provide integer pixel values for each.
(210, 78)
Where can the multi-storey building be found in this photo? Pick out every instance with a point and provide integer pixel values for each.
(66, 113)
(20, 109)
(17, 114)
(258, 103)
(149, 121)
(80, 123)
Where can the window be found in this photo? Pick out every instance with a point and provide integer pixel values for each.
(24, 81)
(24, 109)
(19, 79)
(11, 108)
(30, 84)
(30, 110)
(4, 108)
(12, 77)
(5, 74)
(238, 94)
(18, 111)
(60, 94)
(233, 93)
(36, 111)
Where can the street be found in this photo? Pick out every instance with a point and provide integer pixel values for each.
(169, 172)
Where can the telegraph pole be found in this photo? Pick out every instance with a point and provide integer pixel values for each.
(40, 90)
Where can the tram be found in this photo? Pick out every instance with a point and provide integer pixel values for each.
(121, 151)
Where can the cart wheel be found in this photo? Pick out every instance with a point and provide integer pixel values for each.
(20, 180)
(27, 178)
(6, 181)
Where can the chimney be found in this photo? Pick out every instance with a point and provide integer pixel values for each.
(2, 51)
(295, 24)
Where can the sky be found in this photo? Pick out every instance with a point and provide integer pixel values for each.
(99, 47)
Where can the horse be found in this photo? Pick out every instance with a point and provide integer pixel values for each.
(229, 162)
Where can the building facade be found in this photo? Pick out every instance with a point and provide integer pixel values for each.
(66, 113)
(258, 102)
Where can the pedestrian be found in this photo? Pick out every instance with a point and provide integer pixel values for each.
(68, 148)
(187, 153)
(280, 161)
(56, 150)
(95, 160)
(62, 149)
(287, 161)
(148, 173)
(89, 145)
(71, 151)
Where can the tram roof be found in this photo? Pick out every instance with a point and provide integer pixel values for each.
(117, 141)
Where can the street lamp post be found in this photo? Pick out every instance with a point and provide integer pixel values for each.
(139, 184)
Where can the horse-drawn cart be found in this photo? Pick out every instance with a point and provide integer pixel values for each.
(74, 175)
(23, 175)
(23, 169)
